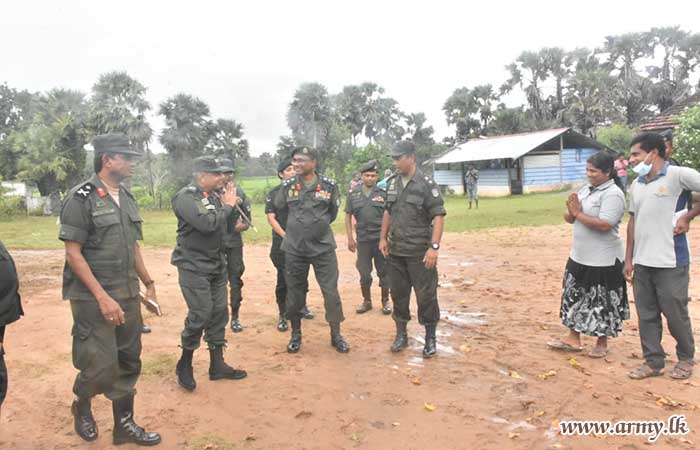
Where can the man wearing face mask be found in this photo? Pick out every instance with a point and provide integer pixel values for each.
(201, 222)
(657, 257)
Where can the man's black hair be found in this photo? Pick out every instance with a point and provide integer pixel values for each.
(649, 142)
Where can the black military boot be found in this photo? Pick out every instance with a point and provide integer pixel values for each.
(85, 424)
(282, 323)
(386, 309)
(295, 341)
(366, 300)
(145, 329)
(401, 339)
(306, 314)
(236, 326)
(218, 369)
(126, 431)
(185, 376)
(337, 340)
(430, 347)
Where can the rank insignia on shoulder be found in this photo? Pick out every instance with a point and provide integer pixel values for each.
(378, 198)
(435, 192)
(85, 190)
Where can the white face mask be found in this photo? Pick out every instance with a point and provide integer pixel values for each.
(642, 169)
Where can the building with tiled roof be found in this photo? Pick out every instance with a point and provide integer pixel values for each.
(669, 119)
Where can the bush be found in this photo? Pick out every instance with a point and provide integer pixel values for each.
(687, 140)
(11, 206)
(616, 137)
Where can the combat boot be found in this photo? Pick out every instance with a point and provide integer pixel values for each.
(218, 369)
(337, 340)
(430, 347)
(295, 341)
(126, 431)
(306, 314)
(366, 300)
(401, 339)
(236, 326)
(85, 425)
(185, 375)
(386, 309)
(282, 323)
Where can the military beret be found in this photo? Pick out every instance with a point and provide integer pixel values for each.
(369, 166)
(667, 134)
(207, 164)
(114, 143)
(226, 165)
(283, 164)
(403, 148)
(308, 151)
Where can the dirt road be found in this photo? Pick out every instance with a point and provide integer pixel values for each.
(494, 385)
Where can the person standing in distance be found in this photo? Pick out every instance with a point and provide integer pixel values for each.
(100, 228)
(411, 232)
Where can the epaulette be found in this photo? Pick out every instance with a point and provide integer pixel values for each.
(85, 190)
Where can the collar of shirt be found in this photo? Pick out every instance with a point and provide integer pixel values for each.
(661, 173)
(601, 187)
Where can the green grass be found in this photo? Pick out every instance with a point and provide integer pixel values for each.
(159, 226)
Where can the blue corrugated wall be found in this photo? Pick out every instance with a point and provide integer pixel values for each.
(572, 170)
(487, 177)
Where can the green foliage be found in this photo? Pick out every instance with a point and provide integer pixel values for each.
(617, 137)
(11, 206)
(687, 139)
(361, 156)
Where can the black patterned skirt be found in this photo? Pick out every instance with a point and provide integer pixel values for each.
(594, 299)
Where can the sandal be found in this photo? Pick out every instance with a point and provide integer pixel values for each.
(682, 371)
(558, 344)
(598, 353)
(645, 371)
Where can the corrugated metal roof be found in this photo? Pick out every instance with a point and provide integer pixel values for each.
(499, 147)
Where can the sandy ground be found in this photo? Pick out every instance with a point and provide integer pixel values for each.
(494, 385)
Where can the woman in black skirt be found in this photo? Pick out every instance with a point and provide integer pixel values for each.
(594, 294)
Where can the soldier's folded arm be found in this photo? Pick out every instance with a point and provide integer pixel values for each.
(207, 222)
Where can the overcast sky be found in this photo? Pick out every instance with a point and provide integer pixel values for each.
(245, 59)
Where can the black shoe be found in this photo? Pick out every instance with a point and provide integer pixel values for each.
(85, 425)
(401, 339)
(430, 347)
(364, 307)
(294, 342)
(337, 340)
(145, 329)
(306, 314)
(236, 326)
(185, 375)
(366, 300)
(282, 324)
(386, 309)
(219, 370)
(126, 431)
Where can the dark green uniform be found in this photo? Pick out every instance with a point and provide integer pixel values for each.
(368, 210)
(201, 223)
(276, 253)
(10, 307)
(412, 209)
(107, 356)
(233, 249)
(309, 241)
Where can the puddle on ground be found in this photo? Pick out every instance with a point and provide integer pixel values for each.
(464, 318)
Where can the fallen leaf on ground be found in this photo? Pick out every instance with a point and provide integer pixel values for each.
(668, 402)
(539, 414)
(514, 374)
(304, 415)
(576, 365)
(429, 406)
(513, 435)
(547, 374)
(464, 348)
(395, 424)
(415, 381)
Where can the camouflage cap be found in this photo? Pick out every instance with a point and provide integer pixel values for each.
(114, 143)
(369, 166)
(207, 164)
(403, 148)
(308, 151)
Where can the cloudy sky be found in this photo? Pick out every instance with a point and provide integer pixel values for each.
(245, 59)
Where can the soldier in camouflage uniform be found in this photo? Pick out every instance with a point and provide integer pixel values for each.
(365, 203)
(202, 218)
(410, 238)
(101, 227)
(312, 202)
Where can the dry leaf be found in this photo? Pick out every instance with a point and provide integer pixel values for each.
(464, 348)
(429, 406)
(513, 435)
(304, 415)
(576, 365)
(515, 375)
(668, 402)
(539, 414)
(415, 381)
(395, 424)
(547, 374)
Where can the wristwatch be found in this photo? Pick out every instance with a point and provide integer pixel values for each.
(435, 245)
